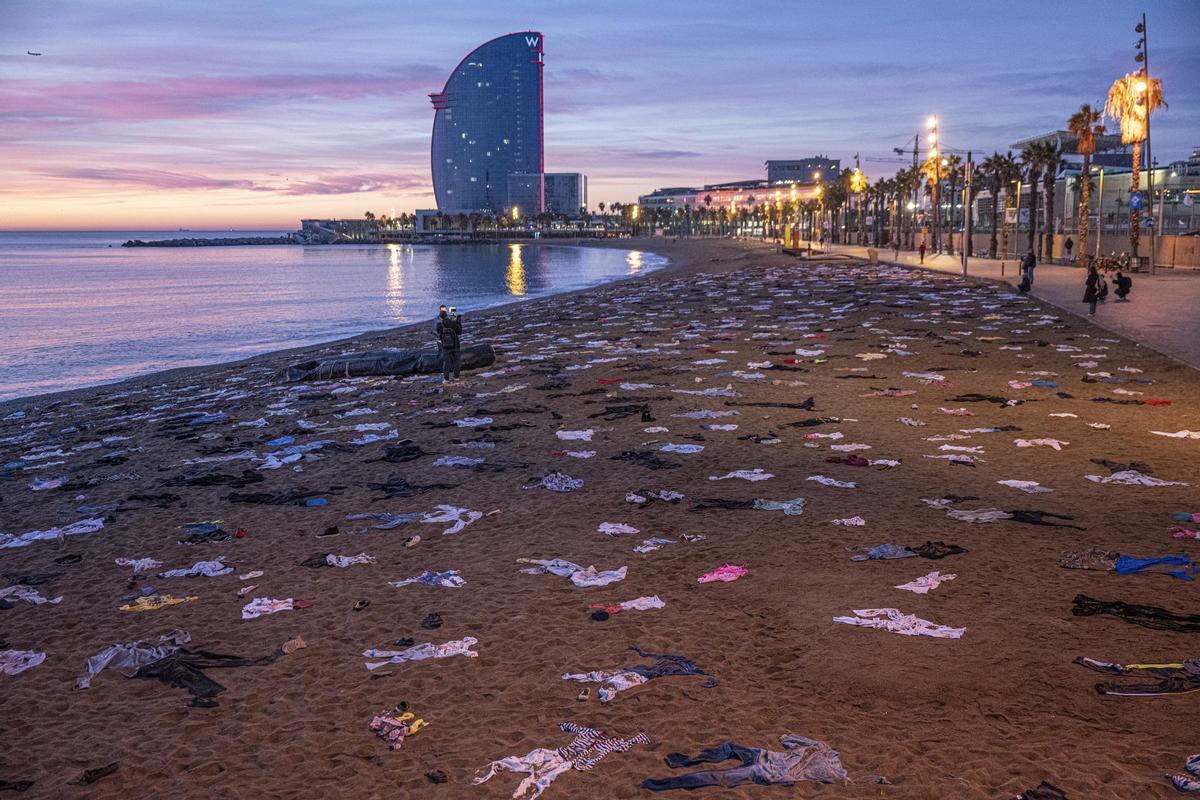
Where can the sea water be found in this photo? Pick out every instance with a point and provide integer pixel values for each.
(76, 309)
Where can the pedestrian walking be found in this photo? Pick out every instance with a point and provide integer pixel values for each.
(1124, 284)
(449, 332)
(1069, 245)
(921, 250)
(1091, 291)
(1103, 289)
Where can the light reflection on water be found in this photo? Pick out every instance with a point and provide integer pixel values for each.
(516, 271)
(78, 312)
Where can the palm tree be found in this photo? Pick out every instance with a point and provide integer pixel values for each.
(952, 171)
(1131, 101)
(998, 171)
(1033, 159)
(1053, 162)
(1085, 125)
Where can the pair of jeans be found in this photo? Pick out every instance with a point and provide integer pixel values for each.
(451, 362)
(1092, 307)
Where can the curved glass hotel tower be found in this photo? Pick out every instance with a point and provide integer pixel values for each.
(487, 125)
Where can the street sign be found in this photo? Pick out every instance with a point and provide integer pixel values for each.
(1010, 216)
(1148, 223)
(1135, 201)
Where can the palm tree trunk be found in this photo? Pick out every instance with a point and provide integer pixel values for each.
(1049, 191)
(1085, 202)
(1135, 186)
(1033, 208)
(995, 220)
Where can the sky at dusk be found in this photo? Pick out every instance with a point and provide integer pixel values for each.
(251, 115)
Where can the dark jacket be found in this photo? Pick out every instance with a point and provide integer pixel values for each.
(1029, 262)
(1091, 292)
(449, 332)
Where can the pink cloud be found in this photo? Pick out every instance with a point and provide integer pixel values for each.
(190, 96)
(184, 181)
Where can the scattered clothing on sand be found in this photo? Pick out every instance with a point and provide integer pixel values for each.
(638, 604)
(450, 579)
(156, 601)
(744, 474)
(166, 660)
(1191, 781)
(265, 605)
(725, 574)
(561, 482)
(14, 662)
(580, 576)
(892, 619)
(317, 560)
(1145, 616)
(831, 482)
(1090, 558)
(139, 565)
(1029, 487)
(211, 569)
(926, 583)
(543, 765)
(394, 726)
(11, 540)
(1054, 443)
(1132, 477)
(617, 529)
(1177, 678)
(792, 508)
(26, 594)
(931, 550)
(458, 518)
(618, 680)
(420, 652)
(1043, 791)
(1179, 566)
(803, 759)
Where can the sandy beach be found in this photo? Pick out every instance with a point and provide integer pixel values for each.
(894, 398)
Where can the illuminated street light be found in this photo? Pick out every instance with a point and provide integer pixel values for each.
(931, 122)
(516, 213)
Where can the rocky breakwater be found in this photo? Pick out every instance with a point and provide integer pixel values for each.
(224, 242)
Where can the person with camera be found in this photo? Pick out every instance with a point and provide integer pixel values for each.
(448, 330)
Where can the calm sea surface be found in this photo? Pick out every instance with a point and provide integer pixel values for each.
(75, 311)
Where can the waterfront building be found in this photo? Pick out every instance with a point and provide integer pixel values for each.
(565, 192)
(801, 170)
(487, 125)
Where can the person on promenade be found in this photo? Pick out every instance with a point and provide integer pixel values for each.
(1124, 284)
(1091, 292)
(921, 250)
(1028, 264)
(449, 334)
(1069, 245)
(1103, 289)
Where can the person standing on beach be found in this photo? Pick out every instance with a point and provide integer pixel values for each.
(921, 250)
(1027, 266)
(449, 333)
(1091, 291)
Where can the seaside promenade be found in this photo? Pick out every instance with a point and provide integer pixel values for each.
(1162, 312)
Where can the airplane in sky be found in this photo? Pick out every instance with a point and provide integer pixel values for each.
(31, 53)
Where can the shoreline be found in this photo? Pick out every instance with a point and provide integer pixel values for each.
(32, 402)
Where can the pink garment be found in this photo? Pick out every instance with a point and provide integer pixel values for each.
(1180, 532)
(725, 574)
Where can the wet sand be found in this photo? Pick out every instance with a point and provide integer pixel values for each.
(983, 716)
